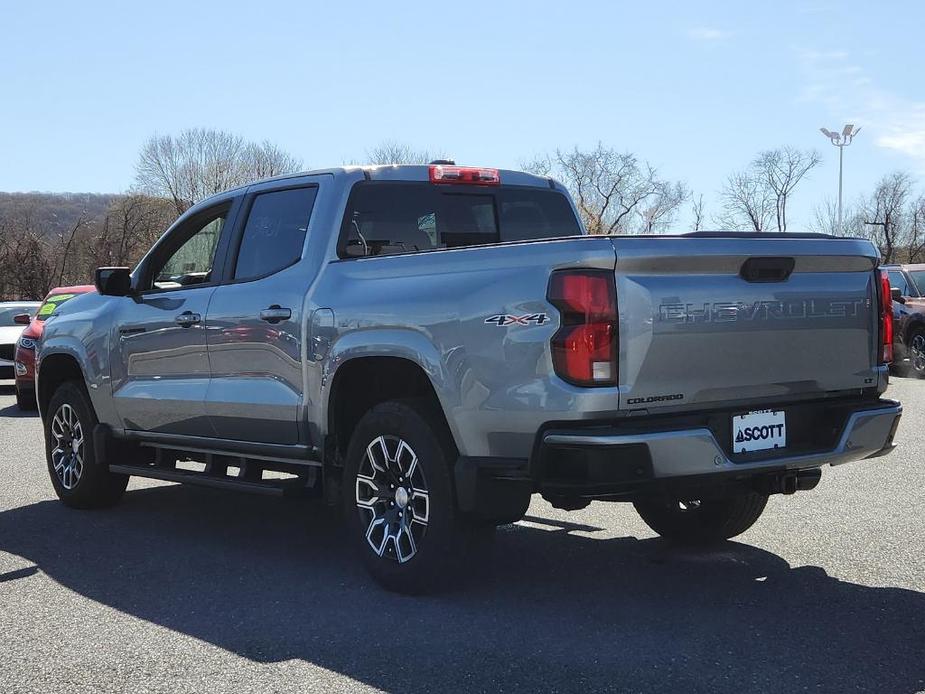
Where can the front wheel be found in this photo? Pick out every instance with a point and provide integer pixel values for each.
(917, 353)
(80, 481)
(399, 499)
(701, 521)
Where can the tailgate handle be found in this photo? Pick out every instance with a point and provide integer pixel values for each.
(766, 269)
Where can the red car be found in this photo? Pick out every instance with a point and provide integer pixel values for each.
(25, 348)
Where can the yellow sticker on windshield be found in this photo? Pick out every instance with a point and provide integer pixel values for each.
(52, 303)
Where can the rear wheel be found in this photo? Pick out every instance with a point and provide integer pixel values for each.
(80, 481)
(399, 498)
(701, 521)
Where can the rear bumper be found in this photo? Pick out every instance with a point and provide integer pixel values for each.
(695, 453)
(610, 463)
(868, 433)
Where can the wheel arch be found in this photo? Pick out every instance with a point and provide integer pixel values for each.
(54, 369)
(364, 381)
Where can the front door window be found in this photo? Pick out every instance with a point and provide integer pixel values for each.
(191, 263)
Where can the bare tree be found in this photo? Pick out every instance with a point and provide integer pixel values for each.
(26, 267)
(131, 225)
(885, 212)
(612, 189)
(658, 212)
(266, 160)
(540, 165)
(781, 170)
(746, 203)
(67, 248)
(915, 240)
(756, 198)
(697, 213)
(825, 218)
(399, 154)
(26, 260)
(201, 162)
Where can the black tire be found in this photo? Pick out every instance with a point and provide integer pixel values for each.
(429, 517)
(25, 399)
(80, 481)
(701, 522)
(915, 350)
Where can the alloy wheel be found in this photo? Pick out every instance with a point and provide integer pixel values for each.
(392, 498)
(67, 455)
(917, 349)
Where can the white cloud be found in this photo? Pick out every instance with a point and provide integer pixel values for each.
(850, 93)
(905, 130)
(707, 34)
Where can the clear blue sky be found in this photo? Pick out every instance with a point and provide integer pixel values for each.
(696, 88)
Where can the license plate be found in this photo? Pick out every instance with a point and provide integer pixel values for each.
(759, 431)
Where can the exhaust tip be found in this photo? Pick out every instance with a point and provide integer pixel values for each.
(808, 479)
(790, 482)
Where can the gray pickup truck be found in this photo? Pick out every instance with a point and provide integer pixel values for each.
(431, 345)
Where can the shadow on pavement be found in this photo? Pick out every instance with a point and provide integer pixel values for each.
(272, 581)
(13, 410)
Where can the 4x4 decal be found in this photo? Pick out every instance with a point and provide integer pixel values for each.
(503, 320)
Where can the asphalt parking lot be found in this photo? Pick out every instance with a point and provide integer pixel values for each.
(185, 589)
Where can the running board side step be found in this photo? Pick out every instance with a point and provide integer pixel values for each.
(297, 486)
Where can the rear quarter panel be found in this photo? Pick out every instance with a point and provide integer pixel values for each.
(495, 383)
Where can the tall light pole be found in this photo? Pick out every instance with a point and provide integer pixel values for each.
(841, 140)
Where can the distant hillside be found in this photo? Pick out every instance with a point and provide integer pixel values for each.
(52, 213)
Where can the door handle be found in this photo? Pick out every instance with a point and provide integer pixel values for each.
(275, 314)
(188, 319)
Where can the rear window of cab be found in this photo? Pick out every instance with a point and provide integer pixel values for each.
(387, 218)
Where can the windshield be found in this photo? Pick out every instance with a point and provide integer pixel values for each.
(918, 278)
(51, 303)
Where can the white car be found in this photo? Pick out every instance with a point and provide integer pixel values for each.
(10, 330)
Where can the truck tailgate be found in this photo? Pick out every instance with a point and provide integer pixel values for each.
(717, 320)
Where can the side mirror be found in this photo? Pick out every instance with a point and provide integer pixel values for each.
(22, 319)
(113, 281)
(897, 294)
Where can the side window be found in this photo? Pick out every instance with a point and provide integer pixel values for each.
(898, 280)
(275, 232)
(191, 263)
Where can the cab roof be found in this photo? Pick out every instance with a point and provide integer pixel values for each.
(380, 172)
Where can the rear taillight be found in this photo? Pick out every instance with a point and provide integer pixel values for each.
(584, 349)
(886, 319)
(472, 175)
